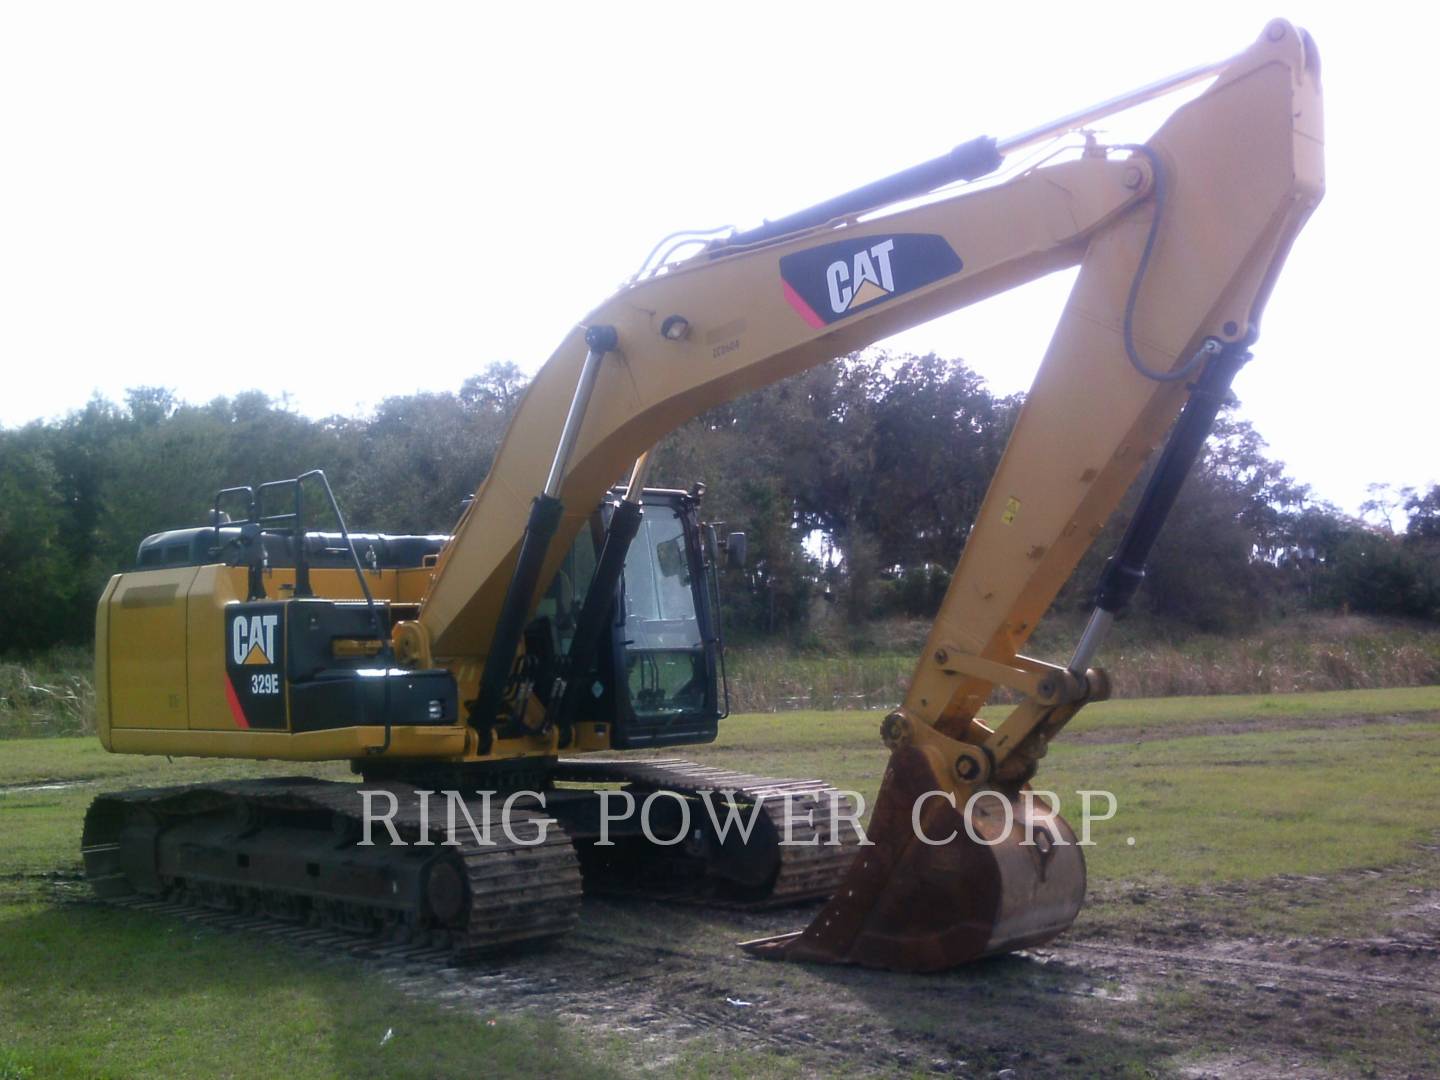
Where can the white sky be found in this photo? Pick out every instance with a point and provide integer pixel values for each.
(342, 201)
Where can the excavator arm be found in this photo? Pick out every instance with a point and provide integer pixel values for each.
(752, 317)
(1178, 243)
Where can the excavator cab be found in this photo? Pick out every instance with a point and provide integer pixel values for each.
(658, 675)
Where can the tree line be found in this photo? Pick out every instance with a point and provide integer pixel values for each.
(857, 482)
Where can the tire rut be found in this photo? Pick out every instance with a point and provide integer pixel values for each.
(1299, 973)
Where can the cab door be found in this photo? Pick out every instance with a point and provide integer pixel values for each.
(665, 662)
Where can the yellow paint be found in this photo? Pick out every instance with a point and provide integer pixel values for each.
(147, 649)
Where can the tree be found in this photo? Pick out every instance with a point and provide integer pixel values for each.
(1424, 511)
(497, 388)
(149, 405)
(883, 459)
(36, 604)
(1382, 506)
(1370, 571)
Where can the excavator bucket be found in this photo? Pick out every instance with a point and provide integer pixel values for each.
(927, 904)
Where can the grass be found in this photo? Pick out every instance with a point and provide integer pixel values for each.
(1202, 807)
(51, 693)
(93, 993)
(845, 749)
(1308, 653)
(1218, 809)
(1293, 816)
(1144, 713)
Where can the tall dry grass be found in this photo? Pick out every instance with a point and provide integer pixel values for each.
(1313, 653)
(49, 694)
(1310, 653)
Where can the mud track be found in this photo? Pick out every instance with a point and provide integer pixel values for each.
(1175, 995)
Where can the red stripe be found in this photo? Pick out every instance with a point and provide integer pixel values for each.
(235, 709)
(806, 311)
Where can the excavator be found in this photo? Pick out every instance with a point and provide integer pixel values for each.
(493, 675)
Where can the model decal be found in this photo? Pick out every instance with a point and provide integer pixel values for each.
(255, 664)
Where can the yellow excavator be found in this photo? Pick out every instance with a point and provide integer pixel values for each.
(488, 676)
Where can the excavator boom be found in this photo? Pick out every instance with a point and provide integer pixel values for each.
(1242, 169)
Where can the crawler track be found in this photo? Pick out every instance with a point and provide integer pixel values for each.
(821, 841)
(286, 851)
(283, 856)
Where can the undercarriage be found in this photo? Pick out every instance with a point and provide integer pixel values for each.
(475, 871)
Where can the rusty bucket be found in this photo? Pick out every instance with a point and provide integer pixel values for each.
(909, 905)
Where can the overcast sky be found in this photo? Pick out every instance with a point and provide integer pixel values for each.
(340, 202)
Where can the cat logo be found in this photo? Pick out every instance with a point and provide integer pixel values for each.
(829, 282)
(252, 639)
(862, 279)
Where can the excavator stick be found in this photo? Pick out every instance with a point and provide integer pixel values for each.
(931, 894)
(964, 863)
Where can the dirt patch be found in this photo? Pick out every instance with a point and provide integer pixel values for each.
(1191, 1004)
(1168, 987)
(41, 785)
(1186, 984)
(1248, 726)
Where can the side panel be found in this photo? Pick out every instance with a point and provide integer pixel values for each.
(411, 585)
(147, 642)
(214, 587)
(102, 663)
(211, 635)
(336, 584)
(338, 744)
(167, 645)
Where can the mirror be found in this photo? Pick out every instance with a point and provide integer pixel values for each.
(737, 551)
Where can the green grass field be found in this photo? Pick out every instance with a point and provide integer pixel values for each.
(1178, 787)
(1215, 792)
